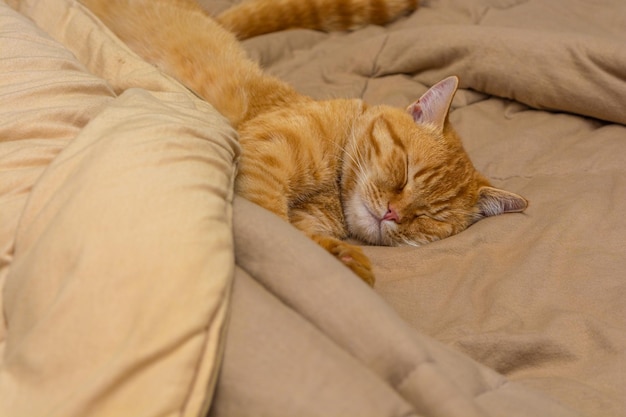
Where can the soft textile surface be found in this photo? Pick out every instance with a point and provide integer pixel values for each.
(329, 346)
(118, 253)
(116, 247)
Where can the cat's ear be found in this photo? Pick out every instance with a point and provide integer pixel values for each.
(493, 201)
(433, 106)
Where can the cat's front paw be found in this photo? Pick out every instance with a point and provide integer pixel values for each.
(354, 258)
(351, 256)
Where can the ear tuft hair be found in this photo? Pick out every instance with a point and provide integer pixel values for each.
(494, 201)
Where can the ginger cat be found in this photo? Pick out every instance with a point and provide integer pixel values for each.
(334, 169)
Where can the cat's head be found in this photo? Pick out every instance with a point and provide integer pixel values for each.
(407, 179)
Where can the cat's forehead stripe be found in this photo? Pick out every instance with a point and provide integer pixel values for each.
(390, 132)
(373, 138)
(394, 135)
(427, 175)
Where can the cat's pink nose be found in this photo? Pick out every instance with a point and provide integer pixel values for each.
(391, 214)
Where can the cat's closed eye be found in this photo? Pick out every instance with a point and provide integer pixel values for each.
(405, 171)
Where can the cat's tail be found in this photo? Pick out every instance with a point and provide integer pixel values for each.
(255, 17)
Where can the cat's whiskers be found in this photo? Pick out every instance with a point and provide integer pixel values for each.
(358, 169)
(410, 242)
(362, 171)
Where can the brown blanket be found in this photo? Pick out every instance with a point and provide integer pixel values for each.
(132, 285)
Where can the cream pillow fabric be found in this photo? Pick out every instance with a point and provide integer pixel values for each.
(116, 243)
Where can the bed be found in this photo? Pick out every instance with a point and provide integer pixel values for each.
(134, 281)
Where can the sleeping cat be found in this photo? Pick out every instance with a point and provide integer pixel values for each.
(335, 169)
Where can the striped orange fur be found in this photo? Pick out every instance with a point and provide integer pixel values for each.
(256, 17)
(334, 169)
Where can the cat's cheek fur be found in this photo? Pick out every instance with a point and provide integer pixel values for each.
(362, 224)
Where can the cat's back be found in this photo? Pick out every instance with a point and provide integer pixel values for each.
(153, 27)
(182, 40)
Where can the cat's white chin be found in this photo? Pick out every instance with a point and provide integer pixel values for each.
(365, 224)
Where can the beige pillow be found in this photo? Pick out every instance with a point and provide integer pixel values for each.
(116, 250)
